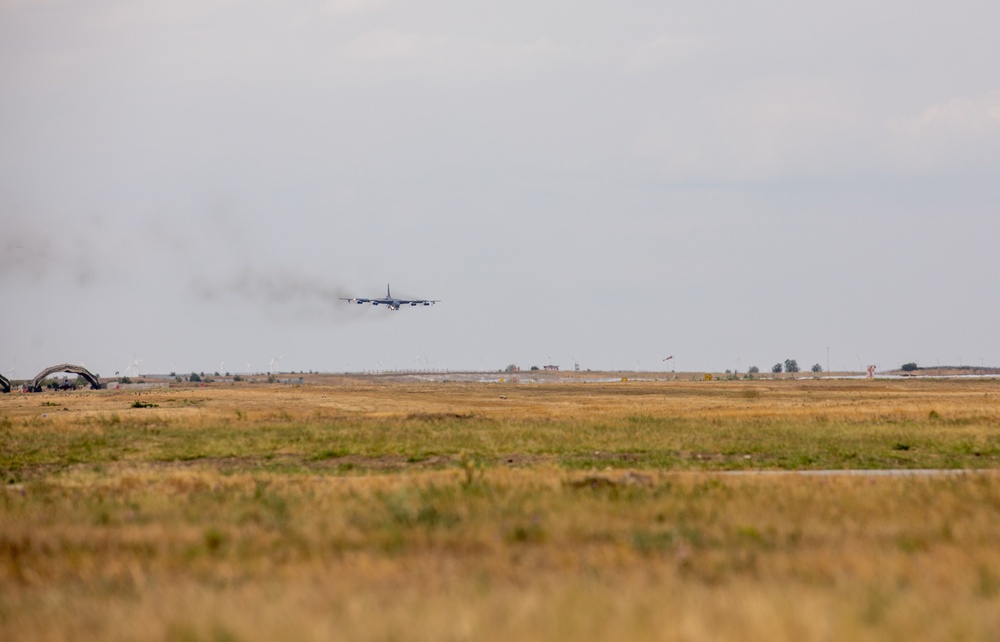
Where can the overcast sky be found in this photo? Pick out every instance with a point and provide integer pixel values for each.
(194, 183)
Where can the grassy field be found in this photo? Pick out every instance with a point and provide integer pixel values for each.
(361, 510)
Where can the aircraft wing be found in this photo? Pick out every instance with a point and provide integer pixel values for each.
(390, 301)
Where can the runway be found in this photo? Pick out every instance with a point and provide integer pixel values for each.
(877, 472)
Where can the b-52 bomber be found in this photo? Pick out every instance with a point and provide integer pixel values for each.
(391, 302)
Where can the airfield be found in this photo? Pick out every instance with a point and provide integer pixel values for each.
(534, 506)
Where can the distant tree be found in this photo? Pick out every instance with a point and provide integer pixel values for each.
(194, 378)
(776, 368)
(511, 368)
(791, 365)
(909, 367)
(753, 370)
(817, 368)
(534, 367)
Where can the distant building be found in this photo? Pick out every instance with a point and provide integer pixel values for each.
(550, 367)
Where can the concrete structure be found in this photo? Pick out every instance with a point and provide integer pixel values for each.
(36, 383)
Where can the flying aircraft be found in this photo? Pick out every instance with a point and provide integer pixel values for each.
(390, 302)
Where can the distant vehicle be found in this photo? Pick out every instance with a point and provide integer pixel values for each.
(391, 302)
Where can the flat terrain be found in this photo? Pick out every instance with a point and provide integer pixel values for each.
(361, 508)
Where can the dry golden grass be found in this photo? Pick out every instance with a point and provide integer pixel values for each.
(365, 511)
(811, 399)
(843, 399)
(359, 426)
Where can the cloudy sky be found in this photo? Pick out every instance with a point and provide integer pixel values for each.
(194, 183)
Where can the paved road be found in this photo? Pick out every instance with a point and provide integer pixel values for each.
(882, 472)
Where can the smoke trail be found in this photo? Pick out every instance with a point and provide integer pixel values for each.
(210, 265)
(280, 294)
(35, 253)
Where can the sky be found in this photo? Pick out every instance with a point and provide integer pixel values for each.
(194, 184)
